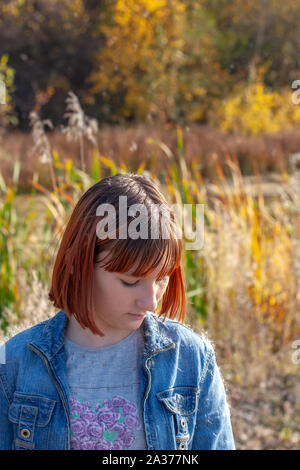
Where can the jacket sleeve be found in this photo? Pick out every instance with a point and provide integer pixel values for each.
(213, 429)
(6, 432)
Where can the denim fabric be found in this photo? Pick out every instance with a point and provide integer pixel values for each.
(182, 393)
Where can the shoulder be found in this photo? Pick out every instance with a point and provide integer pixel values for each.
(45, 334)
(186, 337)
(15, 344)
(17, 358)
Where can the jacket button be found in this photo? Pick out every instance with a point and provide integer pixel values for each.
(182, 446)
(25, 433)
(183, 422)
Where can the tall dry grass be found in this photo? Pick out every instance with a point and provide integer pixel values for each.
(242, 287)
(131, 145)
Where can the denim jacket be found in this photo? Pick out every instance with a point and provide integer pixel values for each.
(182, 392)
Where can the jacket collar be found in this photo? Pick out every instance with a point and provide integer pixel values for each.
(51, 339)
(154, 338)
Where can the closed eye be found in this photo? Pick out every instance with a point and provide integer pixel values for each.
(128, 284)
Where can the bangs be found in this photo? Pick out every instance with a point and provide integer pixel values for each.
(141, 257)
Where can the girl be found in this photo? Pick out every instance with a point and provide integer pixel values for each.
(107, 372)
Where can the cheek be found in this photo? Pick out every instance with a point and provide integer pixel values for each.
(162, 290)
(103, 287)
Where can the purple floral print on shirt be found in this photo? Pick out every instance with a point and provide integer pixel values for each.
(109, 425)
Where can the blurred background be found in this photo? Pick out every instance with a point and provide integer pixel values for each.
(202, 95)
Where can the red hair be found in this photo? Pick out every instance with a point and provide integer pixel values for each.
(72, 277)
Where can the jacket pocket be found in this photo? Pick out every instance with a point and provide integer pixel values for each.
(30, 415)
(180, 408)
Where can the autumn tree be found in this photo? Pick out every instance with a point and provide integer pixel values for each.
(140, 60)
(50, 46)
(258, 33)
(158, 55)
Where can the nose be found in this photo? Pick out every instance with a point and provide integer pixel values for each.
(148, 298)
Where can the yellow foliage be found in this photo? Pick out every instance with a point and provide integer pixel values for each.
(255, 246)
(147, 57)
(253, 110)
(7, 76)
(136, 42)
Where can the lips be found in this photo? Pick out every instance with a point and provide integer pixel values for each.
(137, 315)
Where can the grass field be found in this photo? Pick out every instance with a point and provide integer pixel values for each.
(243, 286)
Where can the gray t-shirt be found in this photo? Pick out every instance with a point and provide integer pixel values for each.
(106, 410)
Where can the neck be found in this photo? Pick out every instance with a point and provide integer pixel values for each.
(86, 338)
